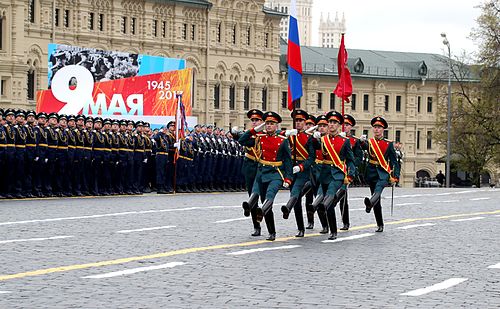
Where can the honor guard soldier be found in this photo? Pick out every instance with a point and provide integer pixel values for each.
(108, 181)
(310, 122)
(184, 165)
(303, 155)
(337, 168)
(349, 123)
(20, 132)
(250, 164)
(130, 157)
(383, 168)
(274, 168)
(72, 164)
(10, 153)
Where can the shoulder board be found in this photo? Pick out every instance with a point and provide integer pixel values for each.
(387, 140)
(282, 136)
(261, 134)
(354, 137)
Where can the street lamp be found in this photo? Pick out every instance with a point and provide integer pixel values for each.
(448, 141)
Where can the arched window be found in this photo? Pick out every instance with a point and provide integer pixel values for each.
(31, 83)
(232, 97)
(246, 98)
(264, 98)
(217, 96)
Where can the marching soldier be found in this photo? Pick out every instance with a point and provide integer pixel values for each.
(115, 157)
(349, 123)
(41, 154)
(383, 168)
(130, 157)
(274, 168)
(72, 163)
(310, 122)
(303, 155)
(337, 168)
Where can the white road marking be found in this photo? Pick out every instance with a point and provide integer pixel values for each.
(231, 220)
(116, 214)
(146, 229)
(5, 292)
(497, 215)
(350, 237)
(407, 204)
(33, 239)
(436, 287)
(467, 219)
(262, 249)
(448, 201)
(479, 199)
(406, 227)
(357, 209)
(495, 266)
(134, 270)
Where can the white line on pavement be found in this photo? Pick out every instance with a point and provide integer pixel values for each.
(436, 287)
(33, 239)
(479, 199)
(231, 220)
(495, 266)
(467, 219)
(448, 201)
(406, 227)
(5, 292)
(262, 249)
(146, 229)
(497, 215)
(134, 270)
(407, 204)
(115, 214)
(350, 237)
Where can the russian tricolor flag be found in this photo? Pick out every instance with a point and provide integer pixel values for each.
(294, 59)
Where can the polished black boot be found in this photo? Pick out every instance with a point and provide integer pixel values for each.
(286, 209)
(333, 236)
(252, 202)
(318, 202)
(323, 220)
(256, 232)
(269, 215)
(370, 202)
(261, 212)
(328, 202)
(380, 229)
(300, 234)
(345, 227)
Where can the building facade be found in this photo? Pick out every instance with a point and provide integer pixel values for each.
(304, 18)
(330, 31)
(238, 60)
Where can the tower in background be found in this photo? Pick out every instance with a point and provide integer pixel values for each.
(330, 31)
(304, 18)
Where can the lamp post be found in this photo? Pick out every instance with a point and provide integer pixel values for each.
(448, 141)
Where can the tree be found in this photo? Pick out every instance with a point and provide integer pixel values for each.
(475, 114)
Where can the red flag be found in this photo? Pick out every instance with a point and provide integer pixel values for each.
(344, 85)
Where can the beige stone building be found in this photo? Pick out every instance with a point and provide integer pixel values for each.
(238, 59)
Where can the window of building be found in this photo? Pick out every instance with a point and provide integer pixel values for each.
(429, 139)
(124, 24)
(366, 98)
(264, 99)
(284, 99)
(249, 35)
(398, 103)
(365, 132)
(419, 102)
(1, 33)
(184, 31)
(246, 98)
(3, 83)
(266, 40)
(217, 96)
(57, 14)
(31, 84)
(232, 97)
(429, 104)
(66, 18)
(133, 24)
(91, 21)
(219, 31)
(193, 32)
(31, 11)
(386, 103)
(193, 88)
(100, 22)
(398, 136)
(155, 28)
(418, 139)
(234, 35)
(332, 101)
(386, 134)
(320, 100)
(353, 101)
(164, 29)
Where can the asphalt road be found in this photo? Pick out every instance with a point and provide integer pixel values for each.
(441, 248)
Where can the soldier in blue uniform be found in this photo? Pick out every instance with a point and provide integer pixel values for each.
(170, 135)
(88, 145)
(274, 168)
(31, 154)
(138, 157)
(10, 153)
(383, 168)
(98, 151)
(184, 167)
(49, 182)
(148, 172)
(41, 154)
(20, 132)
(77, 173)
(162, 147)
(62, 183)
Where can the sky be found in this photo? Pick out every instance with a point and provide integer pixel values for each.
(399, 25)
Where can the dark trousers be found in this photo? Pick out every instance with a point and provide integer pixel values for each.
(10, 161)
(344, 209)
(161, 172)
(169, 175)
(377, 208)
(98, 176)
(19, 171)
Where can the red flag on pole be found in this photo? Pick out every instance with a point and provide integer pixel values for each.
(344, 85)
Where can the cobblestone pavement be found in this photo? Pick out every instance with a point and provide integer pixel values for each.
(441, 248)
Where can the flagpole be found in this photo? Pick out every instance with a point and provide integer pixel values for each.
(343, 89)
(176, 140)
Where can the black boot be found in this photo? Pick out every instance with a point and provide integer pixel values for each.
(332, 236)
(370, 202)
(252, 202)
(300, 234)
(256, 232)
(318, 202)
(345, 227)
(380, 229)
(286, 209)
(261, 212)
(330, 214)
(271, 237)
(323, 220)
(267, 209)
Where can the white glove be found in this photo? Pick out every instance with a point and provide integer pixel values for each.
(177, 145)
(311, 130)
(234, 130)
(46, 160)
(362, 138)
(36, 159)
(202, 138)
(342, 134)
(285, 185)
(296, 169)
(291, 132)
(216, 152)
(220, 141)
(199, 149)
(145, 161)
(317, 135)
(223, 152)
(232, 143)
(260, 127)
